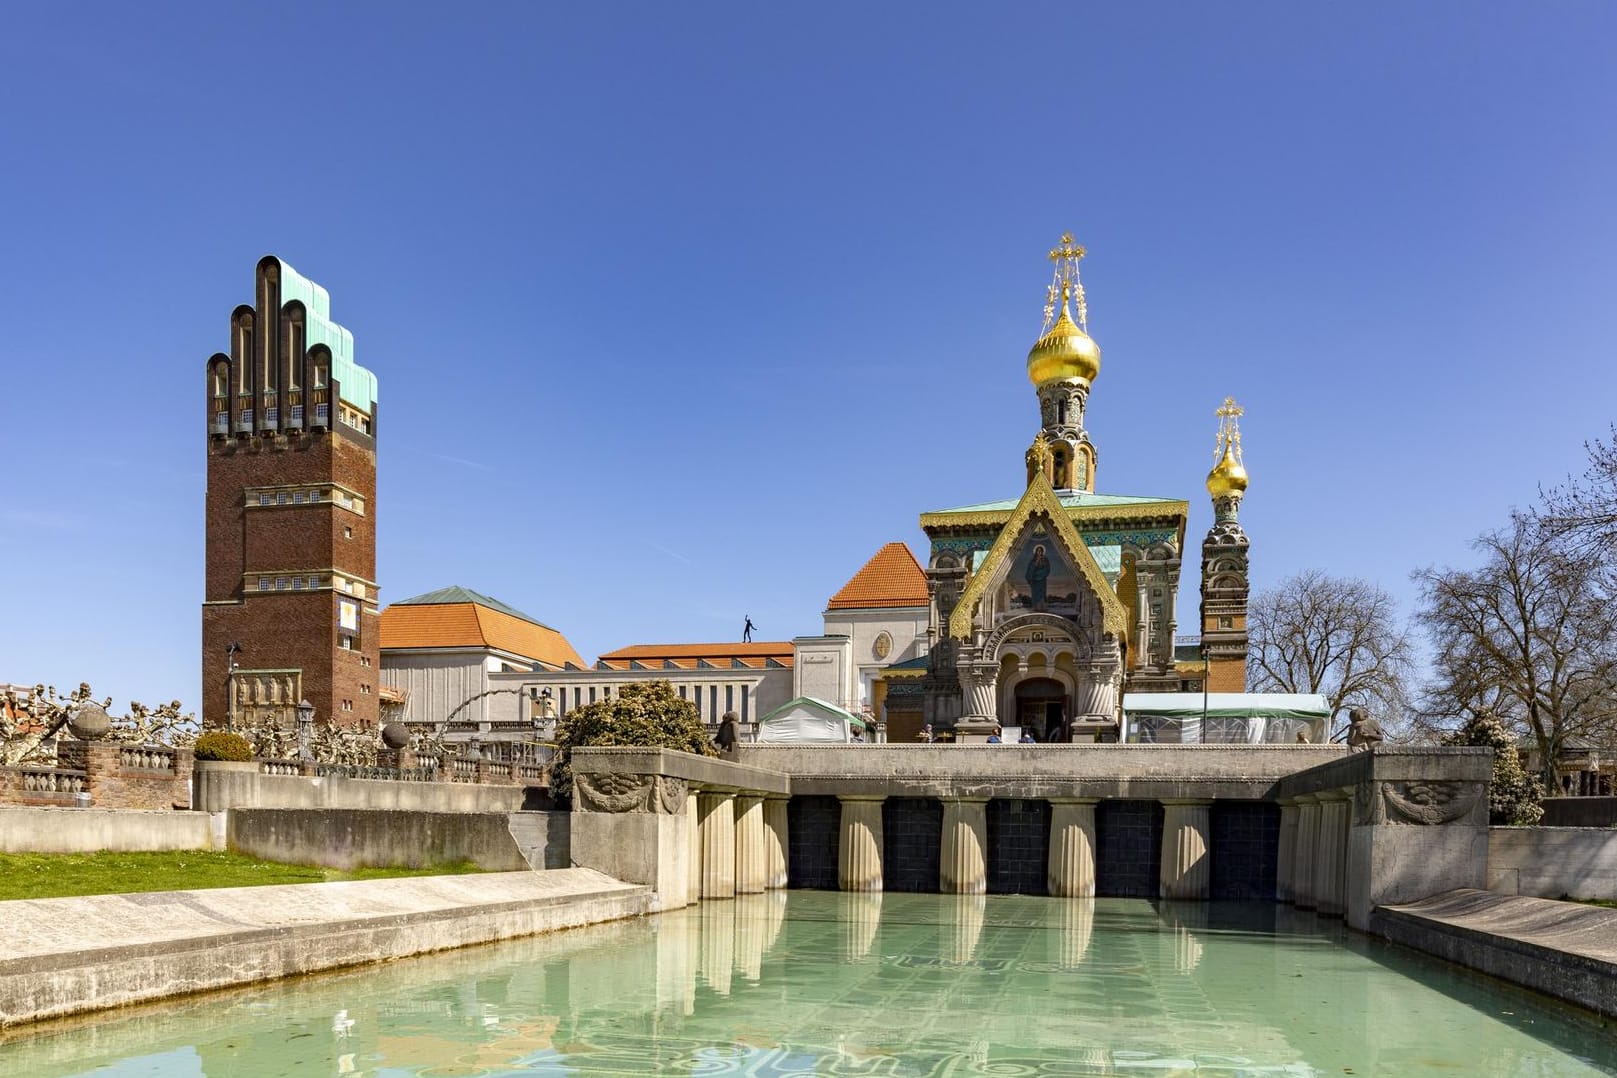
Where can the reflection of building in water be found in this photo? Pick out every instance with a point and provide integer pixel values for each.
(1046, 607)
(963, 927)
(858, 916)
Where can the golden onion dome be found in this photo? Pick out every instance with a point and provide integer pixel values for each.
(1066, 351)
(1228, 476)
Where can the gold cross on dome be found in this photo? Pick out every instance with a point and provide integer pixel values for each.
(1230, 409)
(1067, 250)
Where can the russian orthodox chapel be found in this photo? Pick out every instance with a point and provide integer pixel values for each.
(1047, 608)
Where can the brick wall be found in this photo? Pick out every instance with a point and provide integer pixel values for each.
(131, 777)
(291, 629)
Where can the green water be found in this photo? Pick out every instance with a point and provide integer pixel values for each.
(816, 983)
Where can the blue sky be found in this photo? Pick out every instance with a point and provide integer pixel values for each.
(680, 311)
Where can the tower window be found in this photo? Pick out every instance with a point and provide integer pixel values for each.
(1061, 412)
(348, 533)
(282, 498)
(322, 414)
(280, 583)
(263, 583)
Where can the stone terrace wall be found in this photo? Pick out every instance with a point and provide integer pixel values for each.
(1145, 772)
(1553, 862)
(221, 789)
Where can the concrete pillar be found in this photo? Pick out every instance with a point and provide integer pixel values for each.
(775, 836)
(963, 866)
(1072, 847)
(1330, 890)
(717, 824)
(693, 845)
(1185, 857)
(1288, 850)
(752, 866)
(1302, 874)
(860, 842)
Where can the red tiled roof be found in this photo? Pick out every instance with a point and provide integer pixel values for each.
(892, 578)
(460, 625)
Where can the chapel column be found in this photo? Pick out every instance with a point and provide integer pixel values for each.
(963, 864)
(1287, 852)
(1185, 859)
(1072, 847)
(751, 853)
(1302, 874)
(1331, 854)
(775, 848)
(859, 865)
(717, 826)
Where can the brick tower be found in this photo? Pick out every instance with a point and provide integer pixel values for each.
(1224, 562)
(289, 611)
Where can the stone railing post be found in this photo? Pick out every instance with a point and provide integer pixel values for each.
(1186, 861)
(717, 826)
(100, 761)
(1287, 852)
(1072, 847)
(1330, 893)
(963, 863)
(859, 851)
(1302, 876)
(752, 867)
(775, 839)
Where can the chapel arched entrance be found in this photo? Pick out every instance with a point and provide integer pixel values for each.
(1042, 705)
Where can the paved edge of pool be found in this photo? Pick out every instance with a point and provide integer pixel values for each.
(63, 956)
(1561, 949)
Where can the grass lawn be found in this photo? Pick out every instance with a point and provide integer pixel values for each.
(1596, 902)
(56, 875)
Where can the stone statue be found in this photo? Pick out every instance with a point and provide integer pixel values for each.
(1364, 733)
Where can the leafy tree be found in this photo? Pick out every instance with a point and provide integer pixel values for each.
(1514, 796)
(1529, 635)
(646, 714)
(1339, 637)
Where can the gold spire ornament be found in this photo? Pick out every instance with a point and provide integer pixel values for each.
(1064, 349)
(1228, 477)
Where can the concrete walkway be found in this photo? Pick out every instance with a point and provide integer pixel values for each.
(1562, 949)
(61, 956)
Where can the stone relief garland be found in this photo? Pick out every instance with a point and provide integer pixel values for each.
(612, 792)
(1427, 802)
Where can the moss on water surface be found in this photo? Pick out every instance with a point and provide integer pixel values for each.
(58, 875)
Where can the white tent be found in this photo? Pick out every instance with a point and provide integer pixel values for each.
(808, 718)
(1252, 718)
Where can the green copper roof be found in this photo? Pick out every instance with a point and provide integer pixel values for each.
(358, 384)
(1072, 499)
(457, 594)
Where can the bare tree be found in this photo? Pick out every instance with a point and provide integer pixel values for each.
(1530, 635)
(1581, 514)
(1339, 637)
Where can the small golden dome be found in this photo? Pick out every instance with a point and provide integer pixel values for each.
(1064, 352)
(1227, 477)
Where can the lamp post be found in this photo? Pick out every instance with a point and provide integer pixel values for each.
(305, 730)
(232, 649)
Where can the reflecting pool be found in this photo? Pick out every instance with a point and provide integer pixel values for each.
(808, 982)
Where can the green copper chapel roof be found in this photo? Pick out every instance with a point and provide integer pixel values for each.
(1071, 499)
(457, 594)
(358, 385)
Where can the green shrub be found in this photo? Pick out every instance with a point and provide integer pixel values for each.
(1513, 794)
(223, 745)
(646, 714)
